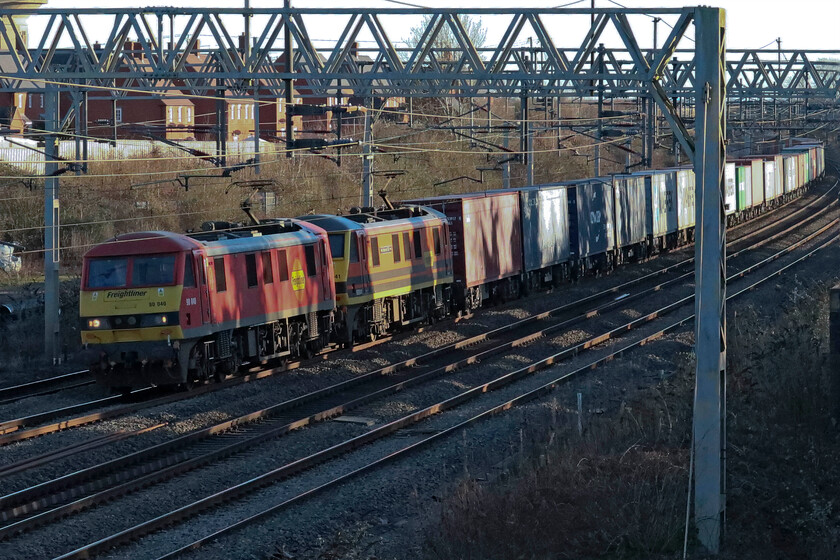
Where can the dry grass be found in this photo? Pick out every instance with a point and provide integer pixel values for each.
(619, 491)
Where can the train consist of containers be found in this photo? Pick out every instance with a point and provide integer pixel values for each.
(167, 308)
(509, 241)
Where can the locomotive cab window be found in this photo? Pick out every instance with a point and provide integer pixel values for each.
(374, 250)
(268, 271)
(219, 269)
(310, 260)
(418, 247)
(189, 272)
(157, 270)
(354, 249)
(251, 269)
(436, 234)
(337, 245)
(107, 273)
(395, 242)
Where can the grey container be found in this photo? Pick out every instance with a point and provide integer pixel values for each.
(685, 198)
(591, 217)
(545, 226)
(631, 223)
(661, 201)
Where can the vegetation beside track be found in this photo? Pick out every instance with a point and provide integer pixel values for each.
(619, 489)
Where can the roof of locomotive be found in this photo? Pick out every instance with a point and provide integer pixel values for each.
(269, 234)
(374, 220)
(140, 242)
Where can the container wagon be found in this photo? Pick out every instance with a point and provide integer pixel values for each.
(485, 236)
(632, 229)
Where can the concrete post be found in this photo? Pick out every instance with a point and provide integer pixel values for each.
(710, 277)
(52, 341)
(367, 161)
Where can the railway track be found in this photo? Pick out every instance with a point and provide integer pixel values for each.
(167, 460)
(822, 237)
(45, 386)
(36, 425)
(83, 378)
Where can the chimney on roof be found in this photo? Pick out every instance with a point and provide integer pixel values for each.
(242, 42)
(354, 50)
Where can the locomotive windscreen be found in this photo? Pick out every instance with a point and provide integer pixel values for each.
(113, 272)
(107, 273)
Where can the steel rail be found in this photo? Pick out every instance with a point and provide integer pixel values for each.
(38, 498)
(44, 386)
(615, 332)
(319, 457)
(459, 427)
(69, 450)
(10, 431)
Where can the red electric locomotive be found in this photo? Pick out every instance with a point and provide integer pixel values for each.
(165, 308)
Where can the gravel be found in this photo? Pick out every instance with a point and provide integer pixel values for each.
(362, 512)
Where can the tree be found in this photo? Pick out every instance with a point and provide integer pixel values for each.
(445, 39)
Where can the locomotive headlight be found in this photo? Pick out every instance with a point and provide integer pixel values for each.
(163, 319)
(94, 323)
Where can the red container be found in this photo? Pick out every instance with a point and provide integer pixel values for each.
(485, 234)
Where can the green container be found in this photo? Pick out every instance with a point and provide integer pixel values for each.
(744, 185)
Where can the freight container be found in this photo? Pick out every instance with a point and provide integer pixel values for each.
(805, 171)
(757, 174)
(660, 201)
(790, 164)
(685, 198)
(773, 177)
(545, 224)
(743, 183)
(756, 178)
(631, 224)
(485, 235)
(816, 155)
(730, 196)
(590, 217)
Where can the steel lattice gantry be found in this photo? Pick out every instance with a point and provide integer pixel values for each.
(150, 49)
(154, 50)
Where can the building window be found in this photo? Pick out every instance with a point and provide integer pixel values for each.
(189, 114)
(238, 111)
(171, 118)
(180, 110)
(42, 100)
(118, 114)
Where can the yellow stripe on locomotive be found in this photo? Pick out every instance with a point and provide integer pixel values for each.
(131, 315)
